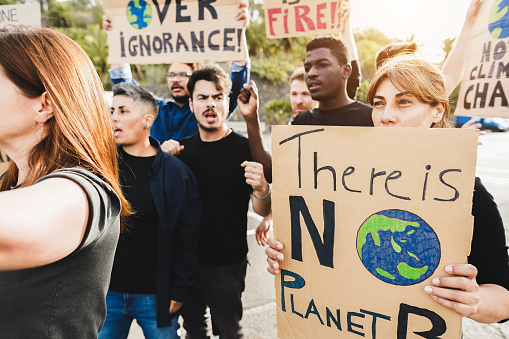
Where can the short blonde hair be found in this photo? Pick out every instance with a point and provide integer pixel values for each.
(417, 77)
(298, 74)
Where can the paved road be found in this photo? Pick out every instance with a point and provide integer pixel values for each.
(259, 298)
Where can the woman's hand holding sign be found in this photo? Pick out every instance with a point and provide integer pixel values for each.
(458, 292)
(274, 256)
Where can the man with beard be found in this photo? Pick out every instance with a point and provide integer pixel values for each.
(228, 180)
(175, 120)
(327, 67)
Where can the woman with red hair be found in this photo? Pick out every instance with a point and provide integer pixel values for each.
(60, 201)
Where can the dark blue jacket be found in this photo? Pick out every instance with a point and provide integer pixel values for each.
(178, 122)
(177, 200)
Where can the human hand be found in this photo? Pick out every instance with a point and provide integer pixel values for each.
(175, 306)
(273, 255)
(255, 178)
(248, 100)
(345, 9)
(243, 13)
(471, 124)
(107, 25)
(263, 229)
(459, 292)
(172, 147)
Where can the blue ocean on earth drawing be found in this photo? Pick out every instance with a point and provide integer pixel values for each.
(398, 247)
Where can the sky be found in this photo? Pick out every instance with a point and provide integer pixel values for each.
(431, 21)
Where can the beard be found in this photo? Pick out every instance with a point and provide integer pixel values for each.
(208, 129)
(181, 99)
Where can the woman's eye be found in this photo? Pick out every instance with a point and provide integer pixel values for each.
(377, 104)
(404, 102)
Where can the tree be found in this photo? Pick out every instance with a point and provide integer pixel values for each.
(272, 59)
(369, 41)
(447, 47)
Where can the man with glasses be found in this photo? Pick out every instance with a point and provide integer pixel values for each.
(175, 120)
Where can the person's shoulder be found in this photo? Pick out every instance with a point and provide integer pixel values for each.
(90, 182)
(166, 104)
(481, 194)
(188, 140)
(237, 136)
(304, 118)
(362, 107)
(175, 166)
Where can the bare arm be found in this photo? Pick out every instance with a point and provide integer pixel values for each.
(260, 198)
(41, 224)
(455, 63)
(248, 106)
(243, 15)
(347, 35)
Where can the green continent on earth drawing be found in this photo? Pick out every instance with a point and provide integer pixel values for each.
(139, 13)
(499, 19)
(398, 247)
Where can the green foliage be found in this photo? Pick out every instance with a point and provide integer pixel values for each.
(447, 47)
(273, 68)
(272, 59)
(94, 41)
(362, 92)
(453, 98)
(367, 50)
(279, 112)
(11, 2)
(369, 41)
(151, 74)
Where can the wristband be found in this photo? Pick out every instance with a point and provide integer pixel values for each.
(266, 195)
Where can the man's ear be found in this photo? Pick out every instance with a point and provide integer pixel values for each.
(346, 71)
(191, 105)
(44, 108)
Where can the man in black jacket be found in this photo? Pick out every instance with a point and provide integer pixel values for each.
(156, 255)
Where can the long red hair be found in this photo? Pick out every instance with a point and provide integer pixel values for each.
(39, 60)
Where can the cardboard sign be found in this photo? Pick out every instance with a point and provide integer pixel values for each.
(368, 217)
(291, 18)
(485, 87)
(29, 14)
(166, 31)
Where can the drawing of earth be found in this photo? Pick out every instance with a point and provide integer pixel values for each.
(499, 19)
(398, 247)
(139, 13)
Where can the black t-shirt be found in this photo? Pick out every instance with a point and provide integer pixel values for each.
(354, 114)
(224, 194)
(134, 268)
(488, 250)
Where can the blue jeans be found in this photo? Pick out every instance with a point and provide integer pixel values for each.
(122, 308)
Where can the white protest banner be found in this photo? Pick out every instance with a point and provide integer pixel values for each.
(485, 86)
(291, 18)
(29, 14)
(368, 217)
(166, 31)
